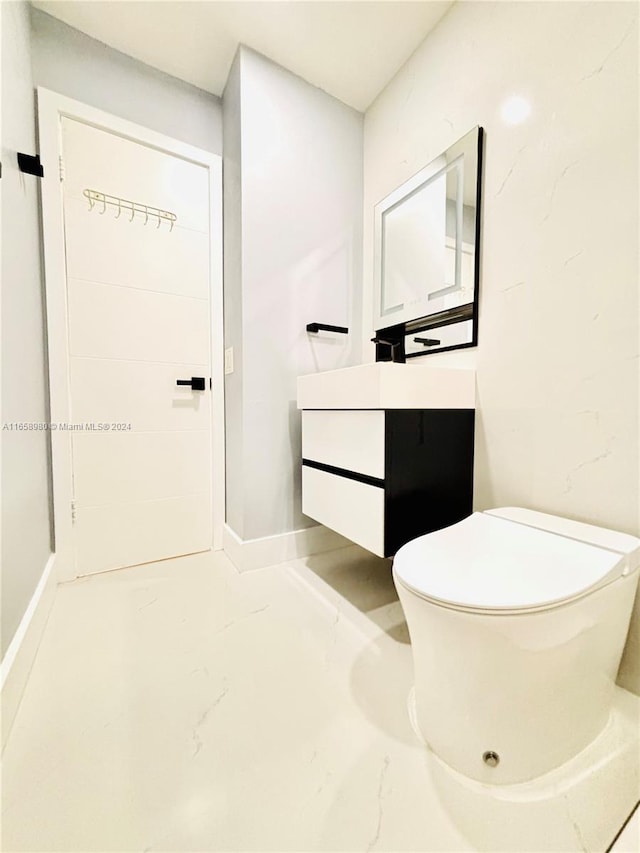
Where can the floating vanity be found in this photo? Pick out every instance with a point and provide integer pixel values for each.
(387, 450)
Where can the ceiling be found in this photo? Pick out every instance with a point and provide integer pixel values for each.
(349, 49)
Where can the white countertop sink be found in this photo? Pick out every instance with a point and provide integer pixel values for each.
(387, 385)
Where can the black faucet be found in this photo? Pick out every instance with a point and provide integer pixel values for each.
(397, 351)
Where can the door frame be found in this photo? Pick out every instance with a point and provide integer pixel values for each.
(52, 108)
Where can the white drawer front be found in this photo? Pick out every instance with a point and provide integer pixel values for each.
(353, 440)
(356, 510)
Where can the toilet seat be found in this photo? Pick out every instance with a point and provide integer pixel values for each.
(507, 561)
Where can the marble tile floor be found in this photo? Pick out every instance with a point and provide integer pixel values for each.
(629, 839)
(181, 706)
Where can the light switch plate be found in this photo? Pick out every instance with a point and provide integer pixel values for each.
(228, 360)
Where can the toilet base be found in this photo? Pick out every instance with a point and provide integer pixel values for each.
(580, 805)
(550, 775)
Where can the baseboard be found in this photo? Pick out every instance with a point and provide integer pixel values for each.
(18, 660)
(248, 554)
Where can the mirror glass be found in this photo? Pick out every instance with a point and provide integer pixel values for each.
(426, 241)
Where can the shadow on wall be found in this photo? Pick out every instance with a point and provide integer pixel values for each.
(483, 490)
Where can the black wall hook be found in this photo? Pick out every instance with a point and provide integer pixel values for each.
(30, 165)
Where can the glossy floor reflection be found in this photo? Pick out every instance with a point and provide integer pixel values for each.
(182, 706)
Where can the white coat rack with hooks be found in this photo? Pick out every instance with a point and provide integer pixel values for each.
(129, 209)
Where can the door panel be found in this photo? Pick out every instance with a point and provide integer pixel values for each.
(143, 394)
(138, 320)
(123, 467)
(106, 321)
(126, 534)
(148, 257)
(95, 159)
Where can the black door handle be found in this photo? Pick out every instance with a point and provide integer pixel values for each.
(196, 383)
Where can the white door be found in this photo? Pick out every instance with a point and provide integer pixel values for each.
(138, 316)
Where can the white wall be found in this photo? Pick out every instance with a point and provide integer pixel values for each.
(232, 215)
(301, 224)
(557, 361)
(26, 544)
(70, 62)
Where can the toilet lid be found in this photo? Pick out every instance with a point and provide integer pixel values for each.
(493, 563)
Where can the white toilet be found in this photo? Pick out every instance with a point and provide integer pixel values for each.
(518, 621)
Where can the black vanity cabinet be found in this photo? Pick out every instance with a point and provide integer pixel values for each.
(382, 477)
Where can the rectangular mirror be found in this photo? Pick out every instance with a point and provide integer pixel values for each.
(426, 251)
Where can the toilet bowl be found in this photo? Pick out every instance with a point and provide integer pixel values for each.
(517, 621)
